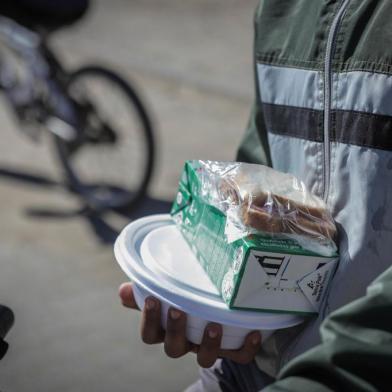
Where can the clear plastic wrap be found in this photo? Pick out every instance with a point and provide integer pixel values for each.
(258, 199)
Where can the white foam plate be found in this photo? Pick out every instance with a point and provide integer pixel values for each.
(153, 253)
(165, 252)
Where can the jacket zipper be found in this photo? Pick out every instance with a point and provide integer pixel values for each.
(330, 51)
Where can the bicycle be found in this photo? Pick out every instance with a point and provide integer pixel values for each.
(46, 97)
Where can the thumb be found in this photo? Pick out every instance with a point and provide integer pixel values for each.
(125, 291)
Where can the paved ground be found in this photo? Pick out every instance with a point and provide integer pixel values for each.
(192, 62)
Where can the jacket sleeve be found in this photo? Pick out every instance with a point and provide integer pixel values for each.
(356, 349)
(254, 146)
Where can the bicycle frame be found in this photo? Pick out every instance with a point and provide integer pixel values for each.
(43, 70)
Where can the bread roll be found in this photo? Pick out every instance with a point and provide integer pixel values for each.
(275, 213)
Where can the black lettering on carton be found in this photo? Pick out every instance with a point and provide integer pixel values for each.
(318, 285)
(270, 264)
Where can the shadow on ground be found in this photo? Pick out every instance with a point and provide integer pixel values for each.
(104, 231)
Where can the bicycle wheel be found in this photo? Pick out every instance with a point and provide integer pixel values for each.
(111, 163)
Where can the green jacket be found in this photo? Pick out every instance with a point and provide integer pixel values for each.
(323, 112)
(356, 350)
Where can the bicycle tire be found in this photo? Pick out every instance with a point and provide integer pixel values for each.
(74, 181)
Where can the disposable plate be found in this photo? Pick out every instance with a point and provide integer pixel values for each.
(154, 255)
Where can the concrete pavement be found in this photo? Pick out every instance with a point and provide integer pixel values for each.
(192, 62)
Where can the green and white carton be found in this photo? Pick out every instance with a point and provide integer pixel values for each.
(255, 272)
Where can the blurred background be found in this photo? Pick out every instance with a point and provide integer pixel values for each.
(191, 63)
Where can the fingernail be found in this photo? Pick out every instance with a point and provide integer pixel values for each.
(175, 314)
(212, 333)
(255, 340)
(150, 304)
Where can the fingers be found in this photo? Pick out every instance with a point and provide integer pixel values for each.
(209, 348)
(247, 352)
(151, 329)
(176, 343)
(125, 292)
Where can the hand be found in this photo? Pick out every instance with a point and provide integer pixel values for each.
(174, 339)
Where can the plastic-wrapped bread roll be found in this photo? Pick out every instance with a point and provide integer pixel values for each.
(257, 198)
(271, 213)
